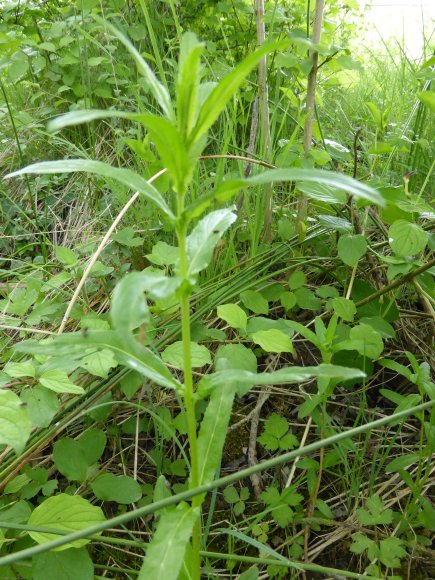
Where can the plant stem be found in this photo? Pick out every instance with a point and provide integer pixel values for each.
(189, 400)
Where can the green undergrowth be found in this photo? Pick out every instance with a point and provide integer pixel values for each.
(204, 394)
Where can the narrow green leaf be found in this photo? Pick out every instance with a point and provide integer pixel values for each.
(189, 76)
(126, 349)
(165, 553)
(213, 430)
(221, 94)
(15, 424)
(336, 180)
(125, 176)
(159, 92)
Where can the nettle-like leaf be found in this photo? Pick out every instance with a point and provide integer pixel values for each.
(204, 237)
(165, 552)
(42, 405)
(376, 513)
(275, 434)
(69, 513)
(15, 423)
(280, 504)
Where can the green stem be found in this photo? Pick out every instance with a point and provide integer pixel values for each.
(189, 399)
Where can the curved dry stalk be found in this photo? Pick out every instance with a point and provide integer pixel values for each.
(98, 251)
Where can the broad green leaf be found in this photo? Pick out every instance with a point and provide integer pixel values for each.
(56, 281)
(204, 237)
(17, 370)
(258, 323)
(406, 238)
(70, 460)
(71, 564)
(165, 553)
(288, 300)
(15, 423)
(213, 430)
(235, 356)
(254, 302)
(64, 512)
(351, 249)
(66, 256)
(92, 443)
(87, 115)
(126, 237)
(307, 300)
(125, 176)
(364, 340)
(345, 308)
(59, 382)
(361, 543)
(273, 340)
(428, 99)
(174, 355)
(118, 488)
(42, 405)
(163, 254)
(159, 92)
(402, 462)
(233, 315)
(222, 93)
(381, 326)
(332, 222)
(99, 363)
(296, 279)
(128, 308)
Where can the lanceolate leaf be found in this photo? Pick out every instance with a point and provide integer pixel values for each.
(204, 237)
(219, 97)
(158, 90)
(125, 176)
(189, 76)
(126, 349)
(244, 380)
(213, 430)
(165, 552)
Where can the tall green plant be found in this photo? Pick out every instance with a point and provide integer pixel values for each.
(180, 135)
